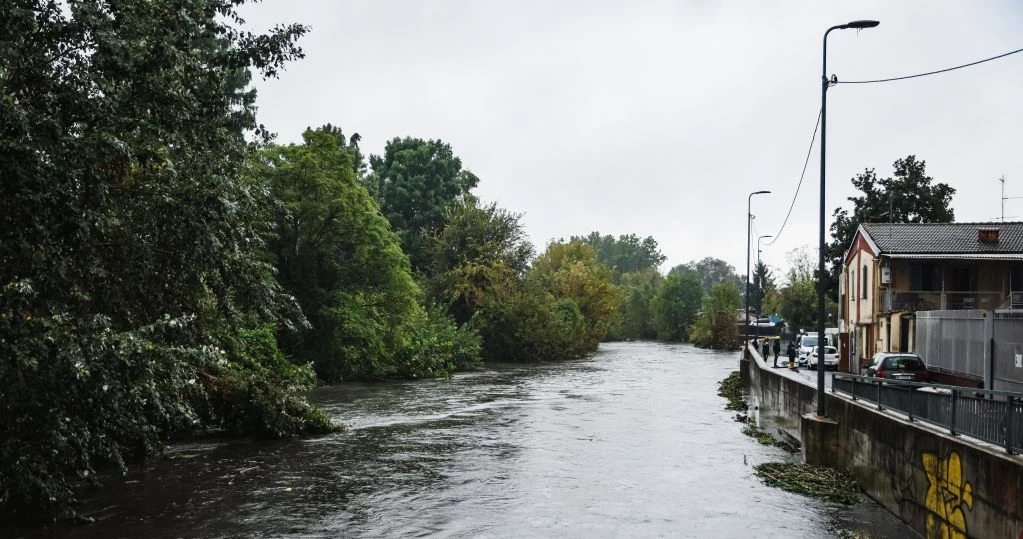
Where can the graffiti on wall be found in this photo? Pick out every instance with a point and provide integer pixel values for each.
(949, 496)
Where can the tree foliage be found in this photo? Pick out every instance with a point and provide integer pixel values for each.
(337, 255)
(627, 253)
(635, 317)
(909, 196)
(481, 250)
(714, 271)
(716, 327)
(571, 271)
(675, 307)
(133, 302)
(761, 286)
(414, 182)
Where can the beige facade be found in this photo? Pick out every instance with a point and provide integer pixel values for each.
(880, 291)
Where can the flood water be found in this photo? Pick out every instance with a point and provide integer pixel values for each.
(633, 442)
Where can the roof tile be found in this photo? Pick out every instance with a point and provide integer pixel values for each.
(944, 238)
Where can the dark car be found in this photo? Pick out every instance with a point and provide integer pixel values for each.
(898, 366)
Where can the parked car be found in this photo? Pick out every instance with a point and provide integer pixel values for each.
(807, 344)
(830, 358)
(898, 366)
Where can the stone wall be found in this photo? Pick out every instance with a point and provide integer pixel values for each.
(943, 486)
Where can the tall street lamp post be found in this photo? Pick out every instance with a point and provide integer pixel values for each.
(821, 315)
(760, 289)
(749, 226)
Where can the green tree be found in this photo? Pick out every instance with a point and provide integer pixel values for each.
(797, 301)
(132, 295)
(713, 271)
(479, 251)
(635, 318)
(677, 304)
(761, 286)
(626, 254)
(716, 327)
(414, 182)
(571, 271)
(909, 196)
(337, 255)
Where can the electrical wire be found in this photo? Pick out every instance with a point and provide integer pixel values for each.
(930, 72)
(809, 150)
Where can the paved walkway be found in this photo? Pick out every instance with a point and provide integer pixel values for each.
(808, 377)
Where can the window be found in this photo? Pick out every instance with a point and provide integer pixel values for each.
(852, 285)
(864, 277)
(924, 278)
(961, 279)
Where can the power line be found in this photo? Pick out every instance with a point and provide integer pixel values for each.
(801, 175)
(930, 72)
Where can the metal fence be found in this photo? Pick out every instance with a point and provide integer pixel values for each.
(1007, 351)
(952, 341)
(991, 416)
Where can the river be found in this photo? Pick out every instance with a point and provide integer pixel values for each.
(633, 442)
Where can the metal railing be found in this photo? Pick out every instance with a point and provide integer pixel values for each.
(991, 416)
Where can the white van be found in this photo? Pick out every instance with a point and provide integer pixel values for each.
(806, 343)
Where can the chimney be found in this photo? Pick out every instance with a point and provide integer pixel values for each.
(987, 235)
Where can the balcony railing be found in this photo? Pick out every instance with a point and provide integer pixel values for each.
(948, 300)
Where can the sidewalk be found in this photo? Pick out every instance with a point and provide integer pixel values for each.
(808, 376)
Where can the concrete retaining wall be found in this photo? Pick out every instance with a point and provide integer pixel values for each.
(943, 486)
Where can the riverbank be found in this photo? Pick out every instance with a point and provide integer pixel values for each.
(634, 441)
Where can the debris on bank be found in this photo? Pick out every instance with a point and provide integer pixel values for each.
(764, 438)
(819, 482)
(731, 389)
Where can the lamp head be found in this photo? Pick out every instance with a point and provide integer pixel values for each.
(859, 25)
(760, 192)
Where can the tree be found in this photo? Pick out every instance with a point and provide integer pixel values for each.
(571, 271)
(478, 252)
(716, 327)
(134, 304)
(677, 304)
(626, 254)
(797, 302)
(414, 182)
(337, 255)
(713, 271)
(635, 319)
(761, 286)
(910, 196)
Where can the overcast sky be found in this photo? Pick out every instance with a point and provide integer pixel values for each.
(659, 117)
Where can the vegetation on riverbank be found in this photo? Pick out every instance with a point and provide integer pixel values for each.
(731, 389)
(819, 482)
(816, 481)
(167, 269)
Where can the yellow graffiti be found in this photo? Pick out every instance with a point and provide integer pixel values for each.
(947, 493)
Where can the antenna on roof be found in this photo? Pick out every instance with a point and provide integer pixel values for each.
(1002, 179)
(1004, 198)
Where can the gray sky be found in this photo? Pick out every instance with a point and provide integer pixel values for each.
(659, 117)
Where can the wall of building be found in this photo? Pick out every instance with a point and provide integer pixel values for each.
(941, 485)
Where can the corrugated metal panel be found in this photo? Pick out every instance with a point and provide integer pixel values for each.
(952, 341)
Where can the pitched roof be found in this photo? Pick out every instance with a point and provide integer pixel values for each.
(943, 238)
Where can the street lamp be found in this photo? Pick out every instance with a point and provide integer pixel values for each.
(758, 245)
(749, 226)
(859, 25)
(760, 290)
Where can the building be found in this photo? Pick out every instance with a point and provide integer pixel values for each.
(893, 270)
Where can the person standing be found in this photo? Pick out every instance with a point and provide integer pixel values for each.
(791, 351)
(777, 349)
(767, 348)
